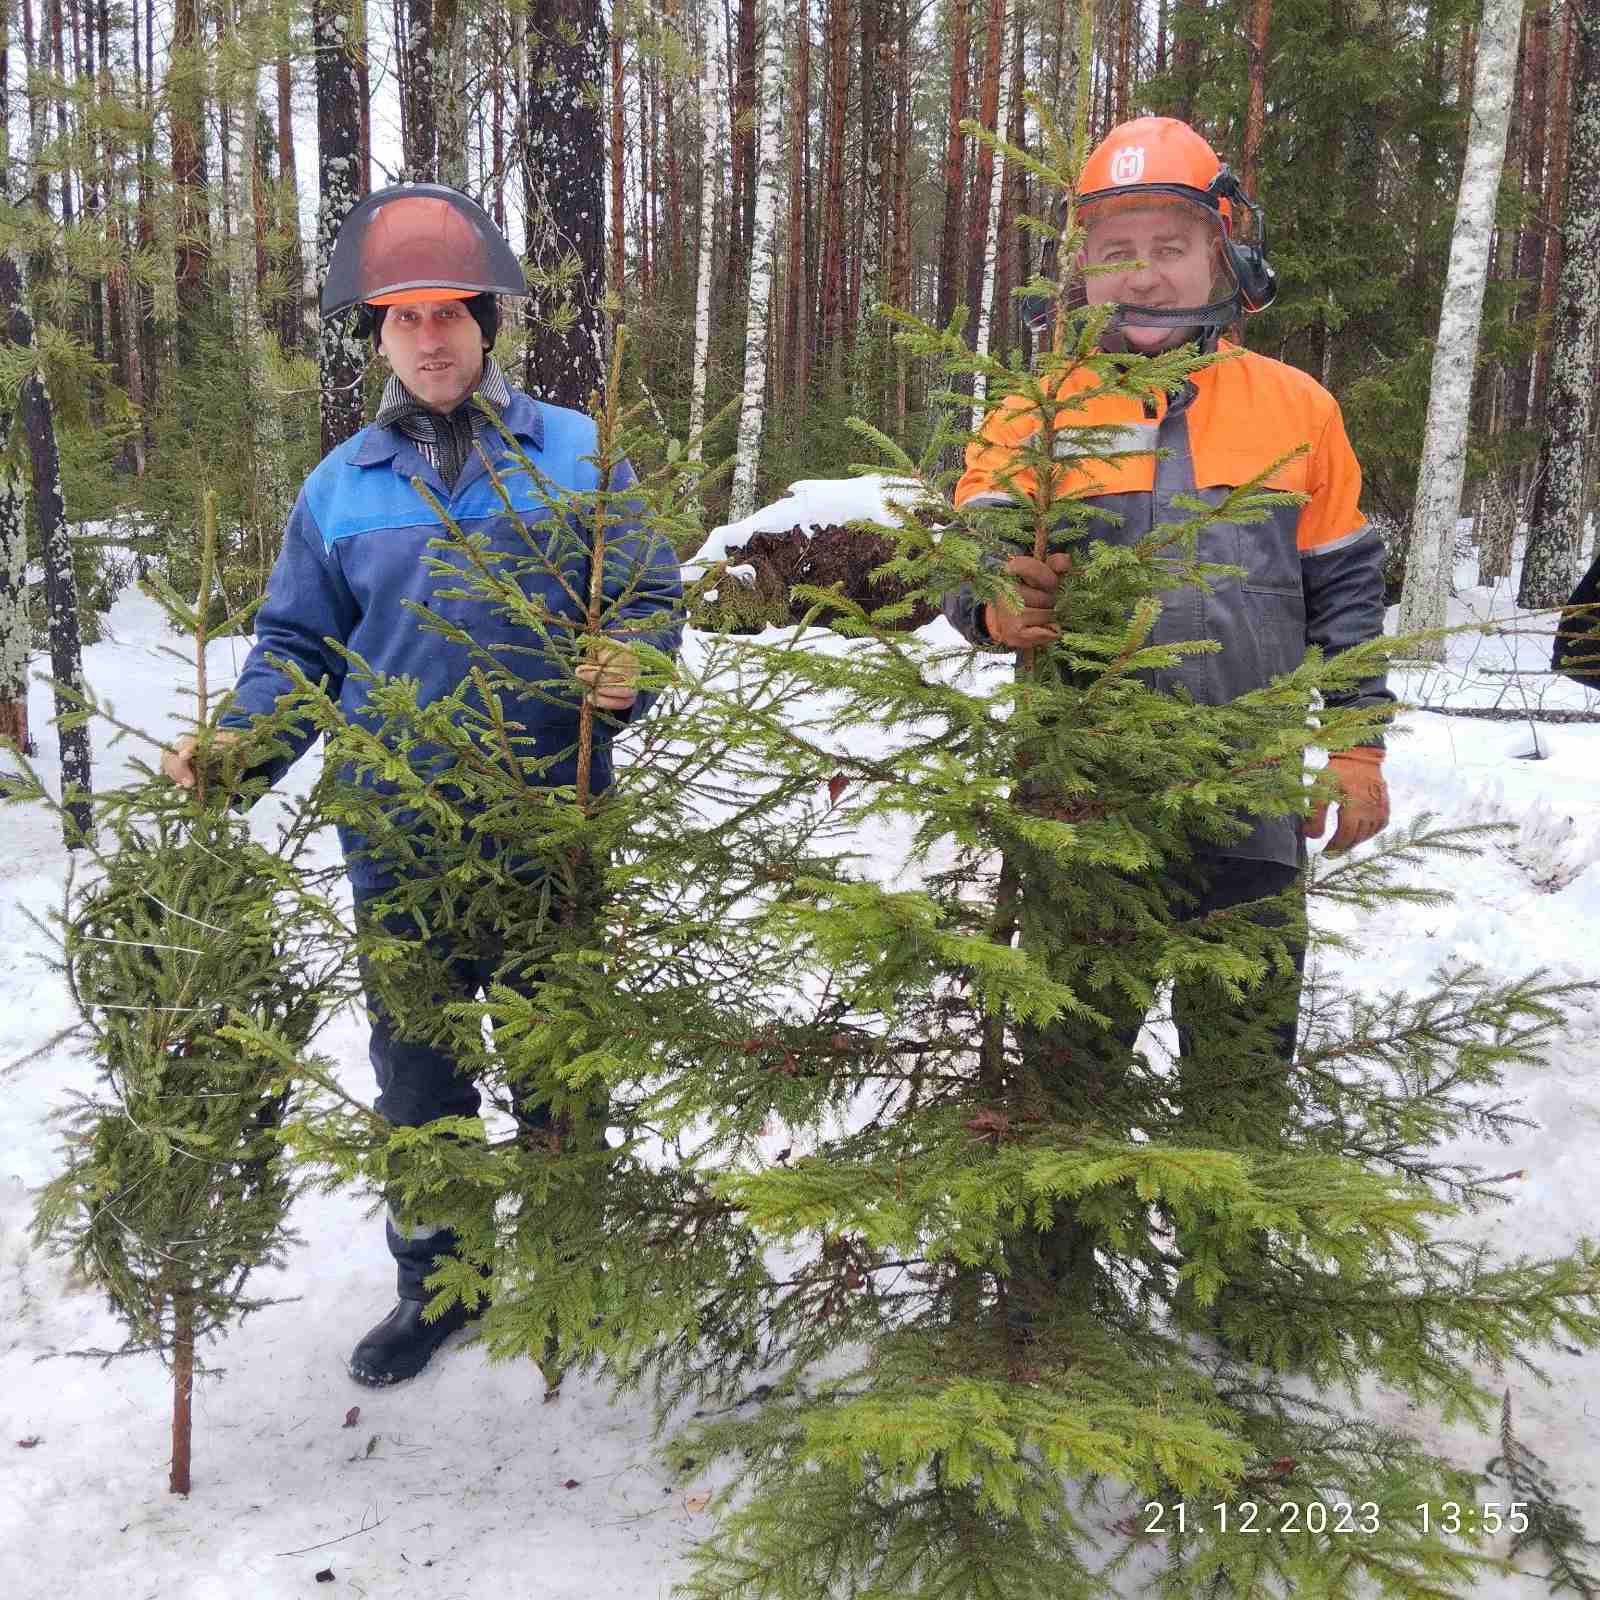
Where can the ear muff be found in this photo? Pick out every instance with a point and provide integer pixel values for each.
(1258, 283)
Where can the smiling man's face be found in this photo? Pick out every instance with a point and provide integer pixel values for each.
(436, 350)
(1165, 255)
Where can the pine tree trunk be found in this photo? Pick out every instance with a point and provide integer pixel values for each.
(1555, 196)
(873, 262)
(1551, 564)
(182, 1392)
(363, 57)
(341, 358)
(710, 187)
(416, 59)
(1438, 502)
(60, 581)
(291, 314)
(1127, 57)
(674, 175)
(1496, 527)
(61, 587)
(450, 84)
(769, 156)
(63, 127)
(797, 295)
(985, 197)
(269, 509)
(1530, 244)
(955, 190)
(143, 296)
(186, 100)
(1186, 55)
(15, 632)
(651, 229)
(835, 216)
(497, 122)
(564, 197)
(36, 57)
(1011, 258)
(1256, 116)
(900, 288)
(618, 154)
(748, 136)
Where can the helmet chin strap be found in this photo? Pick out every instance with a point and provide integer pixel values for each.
(1218, 314)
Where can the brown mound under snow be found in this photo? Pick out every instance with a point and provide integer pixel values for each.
(825, 556)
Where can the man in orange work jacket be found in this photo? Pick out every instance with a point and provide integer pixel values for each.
(1158, 212)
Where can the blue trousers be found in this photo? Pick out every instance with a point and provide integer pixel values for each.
(418, 1083)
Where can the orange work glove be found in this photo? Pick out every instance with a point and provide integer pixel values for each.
(1034, 624)
(1362, 797)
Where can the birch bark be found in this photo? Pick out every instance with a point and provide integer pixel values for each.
(710, 183)
(769, 154)
(1555, 525)
(991, 250)
(1444, 446)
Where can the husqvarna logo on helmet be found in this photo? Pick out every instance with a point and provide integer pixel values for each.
(1127, 164)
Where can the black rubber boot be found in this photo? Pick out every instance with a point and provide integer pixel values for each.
(404, 1342)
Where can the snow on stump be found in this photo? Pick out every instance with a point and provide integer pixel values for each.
(821, 557)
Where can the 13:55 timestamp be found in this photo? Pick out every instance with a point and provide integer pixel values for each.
(1468, 1517)
(1329, 1517)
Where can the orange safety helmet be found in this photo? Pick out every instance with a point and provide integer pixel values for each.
(418, 241)
(1156, 159)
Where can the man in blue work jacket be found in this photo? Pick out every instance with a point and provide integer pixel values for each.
(422, 265)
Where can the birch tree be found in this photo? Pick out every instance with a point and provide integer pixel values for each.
(769, 155)
(1555, 525)
(991, 250)
(342, 174)
(1444, 445)
(710, 183)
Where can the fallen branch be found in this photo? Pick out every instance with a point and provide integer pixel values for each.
(366, 1527)
(1508, 714)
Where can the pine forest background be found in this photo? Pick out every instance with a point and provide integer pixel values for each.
(739, 184)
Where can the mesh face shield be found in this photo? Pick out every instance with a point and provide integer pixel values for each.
(1242, 282)
(418, 241)
(1100, 213)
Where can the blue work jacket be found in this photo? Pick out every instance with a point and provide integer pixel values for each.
(355, 571)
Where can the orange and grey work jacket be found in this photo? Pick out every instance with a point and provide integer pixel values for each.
(1312, 573)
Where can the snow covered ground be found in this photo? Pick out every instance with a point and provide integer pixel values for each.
(462, 1483)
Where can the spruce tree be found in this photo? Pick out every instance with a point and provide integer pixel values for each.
(175, 1190)
(1059, 1291)
(881, 902)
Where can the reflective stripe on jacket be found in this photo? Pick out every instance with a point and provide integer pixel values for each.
(1312, 573)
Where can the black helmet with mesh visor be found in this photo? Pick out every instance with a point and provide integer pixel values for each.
(415, 242)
